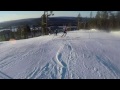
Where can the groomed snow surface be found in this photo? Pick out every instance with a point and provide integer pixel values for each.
(83, 54)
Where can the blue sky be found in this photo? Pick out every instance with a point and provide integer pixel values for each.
(15, 15)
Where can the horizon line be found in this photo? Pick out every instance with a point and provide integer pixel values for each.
(36, 18)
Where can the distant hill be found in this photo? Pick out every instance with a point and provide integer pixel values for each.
(36, 21)
(30, 21)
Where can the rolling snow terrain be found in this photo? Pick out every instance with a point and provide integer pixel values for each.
(83, 54)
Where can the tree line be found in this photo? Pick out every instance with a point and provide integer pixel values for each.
(21, 32)
(103, 20)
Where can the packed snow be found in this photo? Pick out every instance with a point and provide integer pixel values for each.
(82, 54)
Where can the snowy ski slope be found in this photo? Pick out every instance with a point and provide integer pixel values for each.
(82, 54)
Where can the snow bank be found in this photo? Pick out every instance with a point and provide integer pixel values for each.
(93, 29)
(116, 33)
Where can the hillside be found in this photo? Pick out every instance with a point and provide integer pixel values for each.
(36, 21)
(80, 55)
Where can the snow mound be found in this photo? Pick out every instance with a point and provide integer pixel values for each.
(93, 29)
(116, 33)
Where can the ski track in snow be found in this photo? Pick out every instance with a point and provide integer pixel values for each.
(61, 68)
(72, 61)
(105, 60)
(4, 76)
(45, 72)
(50, 70)
(62, 64)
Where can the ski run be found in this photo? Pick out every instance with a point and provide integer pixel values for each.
(82, 54)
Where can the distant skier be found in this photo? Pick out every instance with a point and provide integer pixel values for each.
(49, 30)
(64, 31)
(56, 31)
